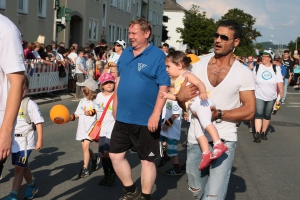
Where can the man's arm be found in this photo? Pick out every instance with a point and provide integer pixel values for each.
(115, 100)
(244, 113)
(12, 108)
(155, 117)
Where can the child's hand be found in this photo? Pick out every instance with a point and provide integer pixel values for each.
(163, 95)
(203, 96)
(87, 113)
(164, 127)
(39, 145)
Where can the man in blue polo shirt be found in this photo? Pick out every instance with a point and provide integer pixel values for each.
(137, 109)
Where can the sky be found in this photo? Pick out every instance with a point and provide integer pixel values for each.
(269, 14)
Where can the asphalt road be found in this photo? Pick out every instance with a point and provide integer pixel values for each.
(269, 170)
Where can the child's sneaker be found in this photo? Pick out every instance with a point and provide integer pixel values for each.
(205, 162)
(30, 192)
(173, 172)
(83, 173)
(95, 163)
(11, 196)
(219, 149)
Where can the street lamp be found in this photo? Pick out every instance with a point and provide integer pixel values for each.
(296, 32)
(276, 42)
(281, 47)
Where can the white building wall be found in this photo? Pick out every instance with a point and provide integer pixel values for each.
(175, 21)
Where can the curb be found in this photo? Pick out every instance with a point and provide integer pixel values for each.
(44, 100)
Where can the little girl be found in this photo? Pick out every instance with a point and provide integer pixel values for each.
(177, 66)
(108, 84)
(86, 112)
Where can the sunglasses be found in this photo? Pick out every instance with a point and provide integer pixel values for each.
(118, 45)
(224, 38)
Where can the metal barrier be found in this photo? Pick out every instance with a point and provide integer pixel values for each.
(45, 78)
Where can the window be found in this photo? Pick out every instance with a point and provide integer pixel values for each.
(121, 4)
(154, 18)
(104, 14)
(125, 35)
(133, 1)
(23, 6)
(113, 3)
(3, 4)
(119, 33)
(42, 8)
(138, 10)
(150, 15)
(128, 7)
(111, 33)
(93, 29)
(161, 1)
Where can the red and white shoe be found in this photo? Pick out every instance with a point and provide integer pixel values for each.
(219, 149)
(205, 162)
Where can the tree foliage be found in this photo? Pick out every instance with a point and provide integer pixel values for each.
(292, 44)
(249, 34)
(198, 29)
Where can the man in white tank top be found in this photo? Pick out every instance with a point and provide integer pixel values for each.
(230, 84)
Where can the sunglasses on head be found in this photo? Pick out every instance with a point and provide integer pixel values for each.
(224, 38)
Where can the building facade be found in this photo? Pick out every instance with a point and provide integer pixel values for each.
(174, 13)
(91, 20)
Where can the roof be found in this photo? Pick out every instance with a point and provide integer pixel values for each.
(172, 5)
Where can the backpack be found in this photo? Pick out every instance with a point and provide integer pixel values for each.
(257, 66)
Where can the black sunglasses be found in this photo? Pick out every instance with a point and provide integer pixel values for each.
(118, 45)
(224, 38)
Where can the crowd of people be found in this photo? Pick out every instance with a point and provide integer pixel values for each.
(211, 93)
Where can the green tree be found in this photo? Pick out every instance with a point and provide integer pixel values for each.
(249, 34)
(292, 45)
(198, 30)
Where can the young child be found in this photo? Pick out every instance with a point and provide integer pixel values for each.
(87, 113)
(170, 132)
(177, 66)
(24, 143)
(108, 85)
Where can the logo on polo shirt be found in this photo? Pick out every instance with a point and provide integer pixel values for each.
(141, 66)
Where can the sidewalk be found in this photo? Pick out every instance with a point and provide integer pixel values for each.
(50, 97)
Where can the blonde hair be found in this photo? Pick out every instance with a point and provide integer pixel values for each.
(89, 94)
(144, 25)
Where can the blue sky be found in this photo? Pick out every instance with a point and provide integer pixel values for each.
(268, 13)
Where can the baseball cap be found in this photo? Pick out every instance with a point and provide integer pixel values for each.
(90, 84)
(270, 53)
(107, 77)
(193, 57)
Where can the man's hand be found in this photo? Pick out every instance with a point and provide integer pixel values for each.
(164, 127)
(153, 122)
(5, 144)
(214, 113)
(187, 92)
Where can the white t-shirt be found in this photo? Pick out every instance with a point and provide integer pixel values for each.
(108, 120)
(173, 131)
(85, 122)
(225, 96)
(73, 56)
(114, 57)
(266, 82)
(11, 58)
(22, 126)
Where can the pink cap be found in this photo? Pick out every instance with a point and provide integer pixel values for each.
(107, 77)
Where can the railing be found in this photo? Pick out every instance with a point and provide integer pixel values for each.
(45, 78)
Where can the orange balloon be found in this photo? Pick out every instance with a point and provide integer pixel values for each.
(59, 114)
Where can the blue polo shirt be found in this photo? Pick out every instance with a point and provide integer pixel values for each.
(140, 79)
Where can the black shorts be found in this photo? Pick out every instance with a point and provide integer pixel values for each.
(131, 136)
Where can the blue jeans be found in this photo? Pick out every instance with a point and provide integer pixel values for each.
(212, 182)
(286, 83)
(264, 109)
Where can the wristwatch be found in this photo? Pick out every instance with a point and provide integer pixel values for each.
(220, 114)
